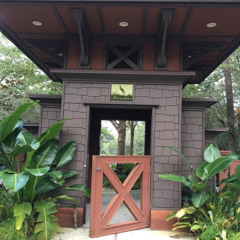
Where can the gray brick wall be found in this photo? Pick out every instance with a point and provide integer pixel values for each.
(49, 116)
(193, 138)
(165, 131)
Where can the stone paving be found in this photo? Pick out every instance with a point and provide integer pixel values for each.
(141, 234)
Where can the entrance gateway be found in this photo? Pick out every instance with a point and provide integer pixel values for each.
(155, 48)
(138, 206)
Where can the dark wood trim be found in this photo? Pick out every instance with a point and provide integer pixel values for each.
(124, 56)
(168, 77)
(121, 105)
(165, 20)
(193, 51)
(46, 99)
(144, 20)
(189, 14)
(230, 49)
(105, 2)
(80, 18)
(32, 127)
(213, 132)
(60, 19)
(99, 11)
(132, 37)
(44, 44)
(197, 103)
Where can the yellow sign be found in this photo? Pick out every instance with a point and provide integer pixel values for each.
(122, 92)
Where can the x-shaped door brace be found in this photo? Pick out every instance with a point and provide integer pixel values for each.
(122, 195)
(100, 222)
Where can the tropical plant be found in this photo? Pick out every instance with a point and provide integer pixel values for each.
(33, 184)
(208, 215)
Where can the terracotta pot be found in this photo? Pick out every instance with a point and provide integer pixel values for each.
(66, 217)
(158, 221)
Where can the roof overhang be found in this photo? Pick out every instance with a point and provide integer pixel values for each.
(213, 132)
(197, 103)
(203, 48)
(116, 76)
(46, 100)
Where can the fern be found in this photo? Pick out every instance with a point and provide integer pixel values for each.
(46, 223)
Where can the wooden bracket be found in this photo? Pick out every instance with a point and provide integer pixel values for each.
(80, 18)
(165, 20)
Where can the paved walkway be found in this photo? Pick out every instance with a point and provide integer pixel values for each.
(141, 234)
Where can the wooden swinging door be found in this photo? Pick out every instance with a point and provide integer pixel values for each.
(100, 219)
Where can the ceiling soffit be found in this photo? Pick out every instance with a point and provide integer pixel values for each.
(203, 48)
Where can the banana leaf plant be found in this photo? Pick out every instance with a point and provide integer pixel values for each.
(197, 181)
(42, 172)
(215, 212)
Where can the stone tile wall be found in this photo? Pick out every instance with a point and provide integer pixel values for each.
(165, 131)
(49, 116)
(193, 138)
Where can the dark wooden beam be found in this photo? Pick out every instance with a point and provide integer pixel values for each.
(80, 18)
(193, 51)
(166, 16)
(54, 48)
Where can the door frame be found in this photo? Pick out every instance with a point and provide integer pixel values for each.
(114, 112)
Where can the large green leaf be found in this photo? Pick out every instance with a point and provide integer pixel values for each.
(8, 124)
(182, 156)
(9, 142)
(231, 179)
(237, 172)
(55, 174)
(45, 185)
(80, 187)
(5, 159)
(199, 199)
(48, 135)
(220, 164)
(25, 142)
(65, 154)
(76, 187)
(46, 223)
(51, 132)
(180, 213)
(20, 211)
(14, 181)
(175, 178)
(69, 174)
(65, 197)
(200, 186)
(38, 171)
(200, 170)
(211, 153)
(171, 215)
(46, 154)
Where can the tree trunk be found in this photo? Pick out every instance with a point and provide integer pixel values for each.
(132, 125)
(230, 108)
(120, 126)
(238, 131)
(121, 137)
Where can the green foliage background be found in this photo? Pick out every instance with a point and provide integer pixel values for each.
(214, 87)
(18, 78)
